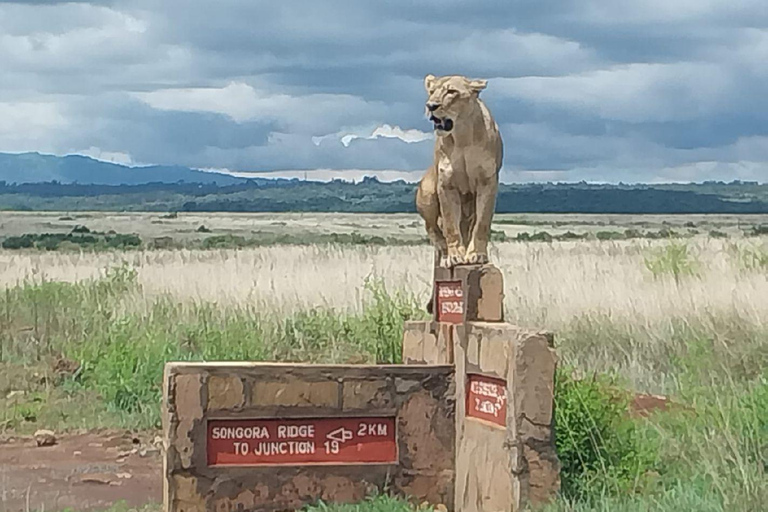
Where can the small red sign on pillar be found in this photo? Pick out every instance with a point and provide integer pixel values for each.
(449, 297)
(487, 399)
(257, 442)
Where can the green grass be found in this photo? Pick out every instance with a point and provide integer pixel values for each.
(121, 352)
(710, 452)
(378, 503)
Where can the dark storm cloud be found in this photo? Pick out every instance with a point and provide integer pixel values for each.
(603, 89)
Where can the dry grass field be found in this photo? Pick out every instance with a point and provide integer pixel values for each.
(686, 318)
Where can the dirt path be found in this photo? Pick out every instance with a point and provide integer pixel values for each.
(89, 471)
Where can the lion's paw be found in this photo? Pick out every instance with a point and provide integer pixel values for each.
(451, 261)
(476, 258)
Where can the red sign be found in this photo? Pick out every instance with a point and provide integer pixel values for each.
(487, 399)
(259, 442)
(450, 302)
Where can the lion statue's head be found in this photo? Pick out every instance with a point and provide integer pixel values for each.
(449, 99)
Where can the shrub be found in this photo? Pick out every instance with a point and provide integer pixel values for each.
(18, 242)
(673, 259)
(121, 241)
(498, 236)
(717, 234)
(601, 450)
(609, 235)
(49, 243)
(539, 236)
(758, 230)
(80, 229)
(224, 242)
(750, 258)
(203, 229)
(569, 235)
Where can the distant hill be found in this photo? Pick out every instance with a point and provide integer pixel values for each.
(372, 196)
(37, 168)
(32, 181)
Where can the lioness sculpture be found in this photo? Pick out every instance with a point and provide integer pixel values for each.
(457, 195)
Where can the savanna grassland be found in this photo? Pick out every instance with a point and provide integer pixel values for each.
(665, 305)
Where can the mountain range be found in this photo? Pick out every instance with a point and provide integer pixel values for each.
(37, 168)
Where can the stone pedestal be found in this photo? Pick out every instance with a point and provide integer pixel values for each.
(503, 467)
(505, 446)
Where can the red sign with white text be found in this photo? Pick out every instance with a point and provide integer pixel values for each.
(487, 399)
(450, 302)
(255, 442)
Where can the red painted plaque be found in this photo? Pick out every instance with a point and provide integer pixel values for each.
(487, 399)
(256, 442)
(450, 301)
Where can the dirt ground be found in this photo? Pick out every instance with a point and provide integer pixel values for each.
(85, 471)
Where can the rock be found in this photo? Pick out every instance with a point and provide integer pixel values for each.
(64, 367)
(124, 475)
(441, 508)
(45, 438)
(147, 452)
(96, 478)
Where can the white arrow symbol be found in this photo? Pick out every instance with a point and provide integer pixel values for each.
(340, 434)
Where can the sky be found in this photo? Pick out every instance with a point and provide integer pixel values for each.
(596, 90)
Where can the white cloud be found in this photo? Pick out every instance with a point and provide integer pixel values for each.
(384, 131)
(242, 102)
(634, 93)
(483, 52)
(26, 126)
(595, 89)
(115, 157)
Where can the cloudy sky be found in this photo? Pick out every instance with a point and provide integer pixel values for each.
(596, 90)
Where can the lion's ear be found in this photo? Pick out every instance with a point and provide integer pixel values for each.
(477, 85)
(429, 82)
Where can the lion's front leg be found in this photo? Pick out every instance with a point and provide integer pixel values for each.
(428, 206)
(485, 203)
(450, 209)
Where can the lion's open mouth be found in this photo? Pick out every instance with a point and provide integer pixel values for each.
(445, 125)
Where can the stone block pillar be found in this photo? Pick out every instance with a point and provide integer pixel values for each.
(505, 446)
(463, 294)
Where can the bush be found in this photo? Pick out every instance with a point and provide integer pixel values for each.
(224, 242)
(601, 450)
(80, 229)
(674, 259)
(717, 234)
(540, 236)
(498, 236)
(121, 241)
(750, 258)
(609, 235)
(18, 242)
(569, 235)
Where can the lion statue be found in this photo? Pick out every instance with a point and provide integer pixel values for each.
(457, 195)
